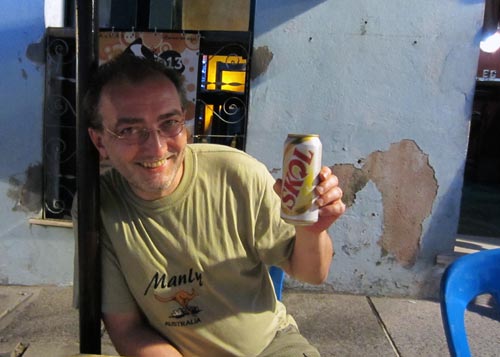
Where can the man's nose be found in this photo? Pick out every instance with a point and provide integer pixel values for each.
(155, 141)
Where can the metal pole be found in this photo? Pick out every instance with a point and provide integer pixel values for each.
(87, 170)
(252, 17)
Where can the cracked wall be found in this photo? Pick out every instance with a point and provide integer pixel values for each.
(392, 86)
(361, 74)
(408, 186)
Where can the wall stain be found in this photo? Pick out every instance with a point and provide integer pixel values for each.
(27, 195)
(35, 51)
(275, 170)
(261, 59)
(363, 29)
(408, 186)
(352, 180)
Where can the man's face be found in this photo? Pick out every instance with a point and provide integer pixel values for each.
(153, 168)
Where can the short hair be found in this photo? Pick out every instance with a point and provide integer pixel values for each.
(126, 68)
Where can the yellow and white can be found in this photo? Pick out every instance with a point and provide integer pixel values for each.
(301, 167)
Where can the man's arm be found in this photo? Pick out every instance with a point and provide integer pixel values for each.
(132, 336)
(311, 257)
(313, 250)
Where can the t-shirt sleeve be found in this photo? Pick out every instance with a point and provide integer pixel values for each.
(116, 296)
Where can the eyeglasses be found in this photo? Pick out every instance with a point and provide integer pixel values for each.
(137, 135)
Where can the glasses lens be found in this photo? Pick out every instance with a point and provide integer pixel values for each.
(138, 136)
(132, 136)
(170, 128)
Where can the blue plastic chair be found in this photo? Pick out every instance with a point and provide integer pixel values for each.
(277, 275)
(467, 277)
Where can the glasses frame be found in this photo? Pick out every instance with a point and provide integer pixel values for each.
(147, 132)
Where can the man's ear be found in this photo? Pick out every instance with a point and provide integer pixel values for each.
(96, 137)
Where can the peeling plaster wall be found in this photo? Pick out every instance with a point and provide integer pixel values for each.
(28, 254)
(389, 86)
(406, 181)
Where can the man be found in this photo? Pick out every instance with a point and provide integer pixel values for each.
(188, 230)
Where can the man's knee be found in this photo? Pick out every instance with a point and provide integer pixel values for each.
(288, 342)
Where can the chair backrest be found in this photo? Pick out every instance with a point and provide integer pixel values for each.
(467, 277)
(277, 275)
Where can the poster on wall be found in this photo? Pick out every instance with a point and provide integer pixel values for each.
(177, 50)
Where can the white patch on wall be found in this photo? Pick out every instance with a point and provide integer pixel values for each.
(54, 13)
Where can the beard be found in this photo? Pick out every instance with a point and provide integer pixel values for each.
(157, 185)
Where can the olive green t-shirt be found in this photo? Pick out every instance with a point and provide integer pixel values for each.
(195, 262)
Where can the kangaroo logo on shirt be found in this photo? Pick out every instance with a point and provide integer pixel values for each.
(183, 298)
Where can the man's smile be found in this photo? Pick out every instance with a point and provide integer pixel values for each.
(153, 164)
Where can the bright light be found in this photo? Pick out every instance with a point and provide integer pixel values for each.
(491, 44)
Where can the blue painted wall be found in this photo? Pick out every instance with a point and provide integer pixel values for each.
(21, 23)
(28, 254)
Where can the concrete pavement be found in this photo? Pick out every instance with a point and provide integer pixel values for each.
(41, 318)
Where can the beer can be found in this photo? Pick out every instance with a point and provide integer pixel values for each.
(301, 167)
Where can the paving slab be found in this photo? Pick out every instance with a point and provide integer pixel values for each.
(338, 325)
(11, 298)
(48, 323)
(417, 329)
(414, 325)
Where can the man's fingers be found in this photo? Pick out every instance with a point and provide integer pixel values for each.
(277, 187)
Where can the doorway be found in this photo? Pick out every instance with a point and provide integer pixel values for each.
(480, 206)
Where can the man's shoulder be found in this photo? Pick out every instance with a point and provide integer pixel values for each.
(215, 149)
(109, 174)
(225, 155)
(111, 181)
(232, 162)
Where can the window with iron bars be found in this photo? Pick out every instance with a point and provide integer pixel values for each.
(222, 93)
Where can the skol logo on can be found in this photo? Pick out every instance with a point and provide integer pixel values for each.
(301, 166)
